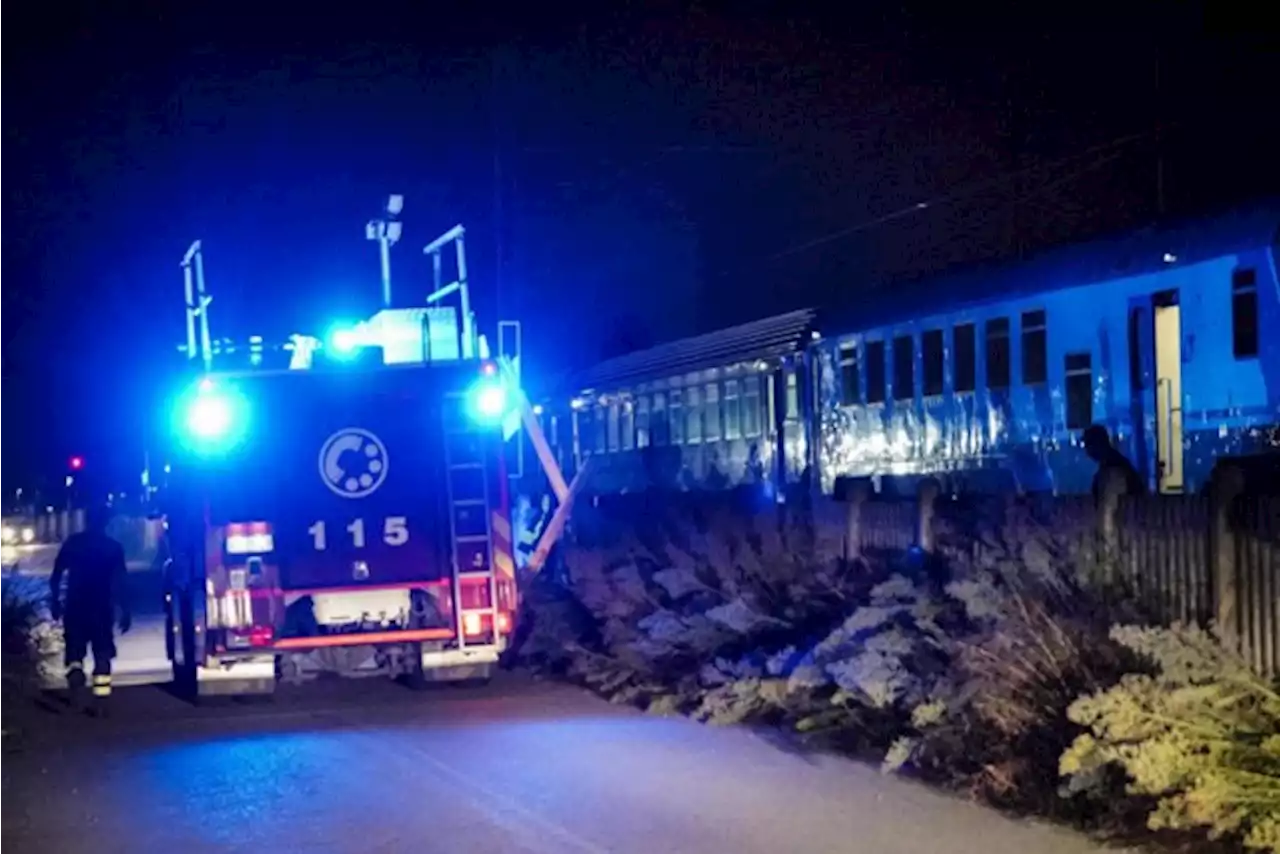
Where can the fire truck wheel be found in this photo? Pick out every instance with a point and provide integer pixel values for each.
(415, 679)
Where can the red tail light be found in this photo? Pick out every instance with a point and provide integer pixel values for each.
(504, 623)
(472, 624)
(244, 538)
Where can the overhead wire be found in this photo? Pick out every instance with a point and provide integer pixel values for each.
(968, 191)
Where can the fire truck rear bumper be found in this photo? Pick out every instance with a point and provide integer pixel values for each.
(460, 657)
(451, 665)
(237, 676)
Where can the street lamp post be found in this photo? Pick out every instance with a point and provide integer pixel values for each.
(386, 232)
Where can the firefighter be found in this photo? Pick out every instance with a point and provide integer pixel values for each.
(96, 584)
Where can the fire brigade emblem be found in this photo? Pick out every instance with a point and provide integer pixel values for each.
(353, 463)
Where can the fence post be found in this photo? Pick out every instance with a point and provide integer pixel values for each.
(1226, 484)
(1113, 486)
(929, 491)
(859, 491)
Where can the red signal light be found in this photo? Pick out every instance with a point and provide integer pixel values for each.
(77, 463)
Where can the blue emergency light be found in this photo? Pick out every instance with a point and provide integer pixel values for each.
(487, 399)
(346, 340)
(211, 417)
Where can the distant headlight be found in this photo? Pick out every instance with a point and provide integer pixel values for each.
(28, 535)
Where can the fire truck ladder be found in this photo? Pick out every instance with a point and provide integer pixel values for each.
(470, 528)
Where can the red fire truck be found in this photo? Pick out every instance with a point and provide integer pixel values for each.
(341, 514)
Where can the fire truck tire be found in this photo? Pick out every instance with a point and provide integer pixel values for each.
(415, 679)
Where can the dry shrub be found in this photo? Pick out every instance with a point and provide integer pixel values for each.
(1202, 735)
(1035, 645)
(685, 594)
(29, 641)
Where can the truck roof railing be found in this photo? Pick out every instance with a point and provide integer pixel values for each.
(427, 332)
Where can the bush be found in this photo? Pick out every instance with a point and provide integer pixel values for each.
(676, 600)
(29, 640)
(1202, 735)
(1033, 644)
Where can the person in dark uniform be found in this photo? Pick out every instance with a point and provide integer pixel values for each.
(1097, 444)
(96, 576)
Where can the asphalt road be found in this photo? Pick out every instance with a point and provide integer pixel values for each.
(517, 766)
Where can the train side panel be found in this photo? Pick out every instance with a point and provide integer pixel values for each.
(998, 394)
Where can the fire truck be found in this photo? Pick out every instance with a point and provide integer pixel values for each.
(344, 509)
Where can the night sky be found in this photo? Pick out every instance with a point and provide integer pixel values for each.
(625, 177)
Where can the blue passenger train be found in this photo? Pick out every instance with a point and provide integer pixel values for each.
(984, 379)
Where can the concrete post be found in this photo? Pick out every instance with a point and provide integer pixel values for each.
(928, 497)
(859, 492)
(1112, 488)
(1226, 484)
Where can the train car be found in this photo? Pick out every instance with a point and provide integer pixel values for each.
(987, 379)
(713, 411)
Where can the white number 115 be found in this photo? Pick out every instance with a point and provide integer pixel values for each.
(395, 532)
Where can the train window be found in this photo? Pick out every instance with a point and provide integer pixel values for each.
(732, 410)
(711, 413)
(675, 416)
(627, 425)
(931, 357)
(1079, 372)
(1244, 313)
(751, 406)
(601, 416)
(614, 424)
(692, 415)
(659, 429)
(966, 357)
(1035, 348)
(642, 421)
(793, 395)
(998, 353)
(850, 387)
(875, 372)
(904, 368)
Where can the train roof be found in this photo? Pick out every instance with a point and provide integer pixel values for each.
(768, 338)
(1134, 253)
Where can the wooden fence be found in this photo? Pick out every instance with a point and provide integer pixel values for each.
(1213, 560)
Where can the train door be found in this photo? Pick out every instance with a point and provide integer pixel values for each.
(1155, 353)
(787, 398)
(1167, 314)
